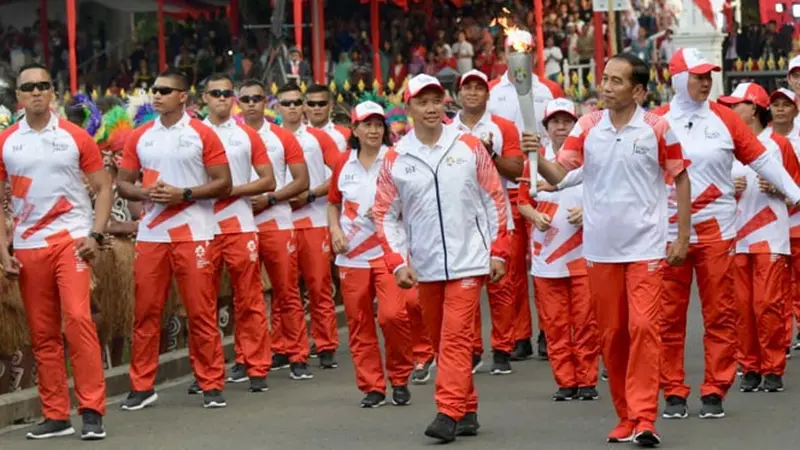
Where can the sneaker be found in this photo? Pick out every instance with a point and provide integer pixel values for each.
(564, 394)
(300, 371)
(214, 399)
(138, 400)
(194, 388)
(373, 399)
(327, 360)
(797, 341)
(442, 428)
(422, 372)
(501, 364)
(604, 374)
(523, 350)
(712, 407)
(49, 428)
(772, 383)
(468, 425)
(675, 408)
(623, 432)
(739, 371)
(477, 363)
(588, 393)
(237, 374)
(279, 361)
(401, 396)
(541, 345)
(788, 352)
(313, 350)
(92, 426)
(646, 435)
(751, 382)
(258, 384)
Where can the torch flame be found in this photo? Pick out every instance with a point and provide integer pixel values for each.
(517, 40)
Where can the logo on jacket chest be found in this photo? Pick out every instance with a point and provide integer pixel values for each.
(450, 161)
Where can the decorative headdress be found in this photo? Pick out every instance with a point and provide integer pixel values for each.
(93, 118)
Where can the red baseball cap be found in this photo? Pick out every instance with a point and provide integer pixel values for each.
(747, 92)
(421, 82)
(365, 110)
(473, 75)
(560, 105)
(785, 93)
(692, 61)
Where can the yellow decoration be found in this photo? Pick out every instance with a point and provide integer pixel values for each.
(95, 94)
(274, 89)
(375, 85)
(748, 66)
(760, 63)
(108, 92)
(361, 85)
(560, 78)
(123, 94)
(347, 86)
(771, 64)
(391, 84)
(303, 87)
(332, 86)
(340, 99)
(666, 74)
(193, 91)
(738, 65)
(574, 78)
(590, 78)
(781, 63)
(405, 83)
(653, 74)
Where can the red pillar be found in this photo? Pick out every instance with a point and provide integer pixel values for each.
(233, 16)
(374, 15)
(599, 50)
(162, 43)
(298, 25)
(539, 18)
(318, 40)
(73, 54)
(44, 32)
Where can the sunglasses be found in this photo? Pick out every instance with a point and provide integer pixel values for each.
(288, 103)
(252, 99)
(163, 90)
(220, 93)
(41, 86)
(313, 104)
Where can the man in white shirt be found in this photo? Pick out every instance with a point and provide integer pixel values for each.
(318, 107)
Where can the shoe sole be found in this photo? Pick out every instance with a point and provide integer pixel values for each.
(215, 404)
(501, 372)
(377, 405)
(301, 377)
(329, 367)
(236, 380)
(675, 416)
(194, 392)
(92, 436)
(477, 367)
(796, 346)
(749, 390)
(588, 398)
(257, 390)
(145, 403)
(65, 432)
(623, 440)
(772, 391)
(277, 368)
(467, 433)
(563, 399)
(647, 439)
(440, 437)
(712, 416)
(420, 381)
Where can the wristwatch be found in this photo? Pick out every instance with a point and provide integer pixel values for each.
(311, 197)
(493, 154)
(97, 237)
(271, 200)
(187, 194)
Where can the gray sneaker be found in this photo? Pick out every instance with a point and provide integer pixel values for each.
(139, 400)
(48, 429)
(92, 426)
(422, 372)
(258, 384)
(675, 408)
(501, 363)
(237, 374)
(772, 383)
(477, 363)
(300, 371)
(214, 399)
(712, 407)
(194, 388)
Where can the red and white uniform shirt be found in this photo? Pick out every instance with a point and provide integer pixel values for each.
(338, 133)
(557, 252)
(320, 153)
(762, 220)
(177, 155)
(713, 138)
(353, 188)
(624, 195)
(505, 139)
(245, 150)
(49, 202)
(794, 213)
(452, 205)
(283, 150)
(503, 102)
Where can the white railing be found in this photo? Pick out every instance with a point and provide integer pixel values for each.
(582, 69)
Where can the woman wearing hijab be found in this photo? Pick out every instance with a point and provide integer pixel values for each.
(762, 250)
(362, 272)
(712, 137)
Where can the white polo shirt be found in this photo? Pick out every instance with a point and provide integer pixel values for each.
(338, 133)
(321, 155)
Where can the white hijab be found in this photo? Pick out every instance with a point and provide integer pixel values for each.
(682, 103)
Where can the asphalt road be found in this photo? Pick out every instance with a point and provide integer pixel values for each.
(515, 413)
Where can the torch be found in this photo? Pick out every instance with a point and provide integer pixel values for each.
(519, 73)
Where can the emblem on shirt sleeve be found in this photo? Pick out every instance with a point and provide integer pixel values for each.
(200, 256)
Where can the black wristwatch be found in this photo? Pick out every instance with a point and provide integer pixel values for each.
(311, 197)
(98, 237)
(187, 194)
(271, 200)
(493, 154)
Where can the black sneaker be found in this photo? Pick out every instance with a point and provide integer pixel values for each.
(772, 383)
(797, 341)
(564, 394)
(751, 382)
(279, 361)
(194, 388)
(327, 360)
(422, 372)
(501, 364)
(541, 345)
(442, 428)
(401, 396)
(523, 350)
(588, 393)
(675, 408)
(237, 374)
(712, 407)
(300, 371)
(788, 352)
(313, 351)
(604, 374)
(92, 426)
(138, 400)
(258, 384)
(48, 428)
(214, 399)
(373, 400)
(468, 425)
(477, 363)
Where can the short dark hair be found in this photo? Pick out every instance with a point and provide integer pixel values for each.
(219, 77)
(355, 144)
(252, 82)
(177, 75)
(764, 115)
(640, 71)
(33, 66)
(289, 87)
(317, 89)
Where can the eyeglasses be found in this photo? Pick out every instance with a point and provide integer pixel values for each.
(313, 104)
(164, 90)
(252, 99)
(220, 93)
(41, 86)
(288, 103)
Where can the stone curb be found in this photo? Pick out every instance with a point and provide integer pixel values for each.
(23, 406)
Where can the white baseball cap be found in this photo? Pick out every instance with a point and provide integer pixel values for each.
(794, 63)
(783, 92)
(560, 105)
(365, 110)
(473, 74)
(692, 61)
(747, 92)
(421, 82)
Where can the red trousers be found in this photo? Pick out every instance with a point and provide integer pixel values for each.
(239, 252)
(448, 308)
(278, 251)
(627, 301)
(502, 298)
(713, 263)
(314, 258)
(520, 242)
(359, 289)
(760, 292)
(421, 342)
(154, 267)
(792, 302)
(569, 321)
(54, 284)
